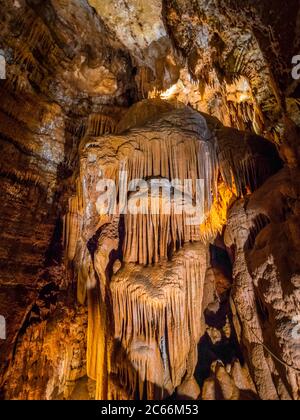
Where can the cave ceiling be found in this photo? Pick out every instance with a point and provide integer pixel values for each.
(143, 307)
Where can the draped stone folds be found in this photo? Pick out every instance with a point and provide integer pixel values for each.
(157, 312)
(143, 273)
(117, 90)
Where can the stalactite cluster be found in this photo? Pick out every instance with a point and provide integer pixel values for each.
(151, 301)
(98, 125)
(157, 292)
(113, 283)
(157, 311)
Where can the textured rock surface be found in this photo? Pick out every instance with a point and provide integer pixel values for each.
(74, 70)
(142, 297)
(265, 232)
(158, 311)
(231, 382)
(54, 356)
(138, 298)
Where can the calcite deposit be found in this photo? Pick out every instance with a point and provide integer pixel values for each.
(150, 187)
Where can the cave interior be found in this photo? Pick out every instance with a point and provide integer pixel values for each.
(150, 200)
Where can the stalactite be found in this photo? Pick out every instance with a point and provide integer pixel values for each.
(149, 237)
(157, 292)
(32, 54)
(245, 160)
(191, 159)
(100, 124)
(20, 112)
(156, 303)
(36, 33)
(15, 132)
(16, 80)
(171, 293)
(72, 222)
(25, 59)
(144, 79)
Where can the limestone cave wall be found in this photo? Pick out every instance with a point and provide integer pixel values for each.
(137, 306)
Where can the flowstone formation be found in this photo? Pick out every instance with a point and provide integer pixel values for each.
(143, 271)
(158, 311)
(157, 291)
(111, 105)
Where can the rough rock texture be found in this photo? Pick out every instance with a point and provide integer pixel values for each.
(138, 298)
(46, 99)
(231, 382)
(76, 73)
(158, 311)
(53, 356)
(265, 232)
(137, 302)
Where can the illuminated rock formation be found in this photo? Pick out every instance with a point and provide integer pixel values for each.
(154, 310)
(164, 306)
(158, 311)
(135, 97)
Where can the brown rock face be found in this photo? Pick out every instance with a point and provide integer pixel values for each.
(265, 233)
(54, 357)
(113, 284)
